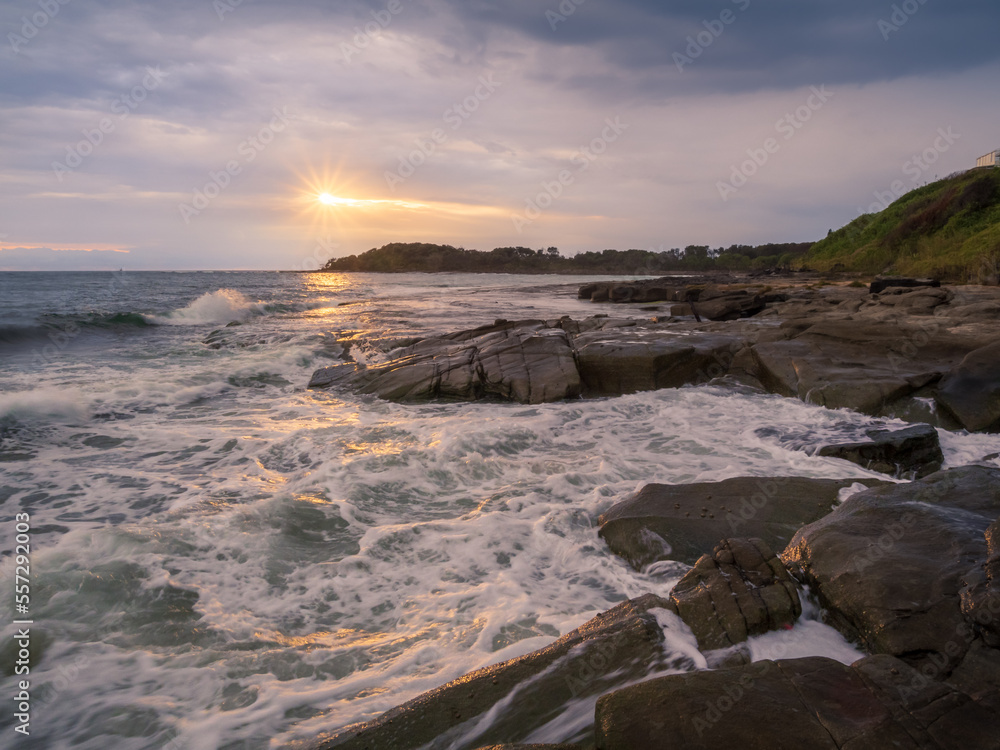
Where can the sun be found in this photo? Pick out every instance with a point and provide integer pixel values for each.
(332, 200)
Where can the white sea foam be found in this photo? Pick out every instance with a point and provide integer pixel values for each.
(238, 541)
(51, 402)
(221, 306)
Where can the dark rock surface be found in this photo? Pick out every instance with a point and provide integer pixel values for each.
(878, 702)
(907, 453)
(971, 391)
(622, 644)
(981, 599)
(525, 362)
(716, 305)
(642, 360)
(684, 522)
(880, 285)
(740, 590)
(890, 564)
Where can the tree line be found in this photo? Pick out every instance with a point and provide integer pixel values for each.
(420, 257)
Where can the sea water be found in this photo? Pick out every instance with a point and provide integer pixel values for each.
(221, 558)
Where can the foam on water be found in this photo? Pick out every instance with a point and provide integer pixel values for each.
(222, 306)
(233, 558)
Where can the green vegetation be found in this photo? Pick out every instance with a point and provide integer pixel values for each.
(427, 258)
(949, 229)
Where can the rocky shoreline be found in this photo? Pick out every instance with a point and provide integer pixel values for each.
(924, 354)
(909, 572)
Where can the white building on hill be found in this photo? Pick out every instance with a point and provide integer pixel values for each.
(992, 159)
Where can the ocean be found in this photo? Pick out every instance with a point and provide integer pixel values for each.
(221, 558)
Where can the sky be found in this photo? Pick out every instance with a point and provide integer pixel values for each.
(254, 134)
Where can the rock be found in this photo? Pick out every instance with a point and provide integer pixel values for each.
(981, 598)
(878, 702)
(532, 747)
(738, 591)
(880, 285)
(921, 301)
(525, 693)
(645, 360)
(729, 306)
(971, 391)
(523, 362)
(684, 522)
(907, 453)
(866, 366)
(890, 563)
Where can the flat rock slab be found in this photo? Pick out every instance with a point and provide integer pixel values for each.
(615, 647)
(816, 703)
(903, 453)
(889, 564)
(613, 364)
(525, 362)
(685, 521)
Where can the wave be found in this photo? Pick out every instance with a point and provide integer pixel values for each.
(220, 306)
(212, 308)
(227, 306)
(44, 403)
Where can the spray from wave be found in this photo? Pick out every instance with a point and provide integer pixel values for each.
(220, 306)
(226, 306)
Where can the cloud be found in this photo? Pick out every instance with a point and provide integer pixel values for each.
(365, 86)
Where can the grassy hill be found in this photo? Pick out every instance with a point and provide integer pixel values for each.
(949, 229)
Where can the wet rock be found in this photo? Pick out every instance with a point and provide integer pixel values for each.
(862, 365)
(684, 522)
(890, 563)
(907, 453)
(738, 591)
(880, 285)
(878, 702)
(525, 693)
(971, 391)
(981, 598)
(523, 362)
(646, 360)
